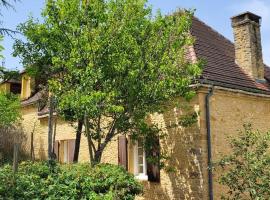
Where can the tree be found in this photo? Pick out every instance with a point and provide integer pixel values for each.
(36, 55)
(6, 31)
(9, 103)
(246, 171)
(9, 109)
(6, 74)
(114, 64)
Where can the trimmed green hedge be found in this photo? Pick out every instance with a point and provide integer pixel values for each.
(79, 181)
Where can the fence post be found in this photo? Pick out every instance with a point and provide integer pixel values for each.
(15, 157)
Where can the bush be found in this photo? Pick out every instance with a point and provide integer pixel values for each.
(9, 135)
(246, 171)
(40, 180)
(9, 109)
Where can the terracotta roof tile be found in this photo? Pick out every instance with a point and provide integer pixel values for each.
(33, 99)
(218, 52)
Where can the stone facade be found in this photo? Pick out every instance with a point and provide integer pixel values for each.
(5, 87)
(31, 122)
(187, 147)
(229, 112)
(183, 145)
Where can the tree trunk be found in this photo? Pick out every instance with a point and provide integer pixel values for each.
(78, 140)
(95, 153)
(32, 151)
(97, 156)
(54, 131)
(54, 155)
(50, 127)
(90, 147)
(98, 153)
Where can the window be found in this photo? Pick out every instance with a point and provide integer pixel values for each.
(15, 88)
(64, 150)
(133, 157)
(140, 164)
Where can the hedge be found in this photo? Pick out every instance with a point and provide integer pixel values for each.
(41, 180)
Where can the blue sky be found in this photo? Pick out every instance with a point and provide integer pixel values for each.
(215, 13)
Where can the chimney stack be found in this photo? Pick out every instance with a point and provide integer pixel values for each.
(247, 41)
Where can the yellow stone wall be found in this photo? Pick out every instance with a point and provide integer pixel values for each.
(27, 84)
(229, 111)
(32, 123)
(5, 87)
(186, 146)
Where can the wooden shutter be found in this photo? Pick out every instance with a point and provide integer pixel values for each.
(153, 169)
(71, 149)
(56, 149)
(122, 151)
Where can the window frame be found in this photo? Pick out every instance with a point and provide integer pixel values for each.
(141, 176)
(64, 150)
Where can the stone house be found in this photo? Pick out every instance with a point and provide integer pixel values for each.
(232, 90)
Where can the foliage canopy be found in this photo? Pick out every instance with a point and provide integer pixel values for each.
(112, 63)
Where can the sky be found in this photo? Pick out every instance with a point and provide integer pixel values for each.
(214, 13)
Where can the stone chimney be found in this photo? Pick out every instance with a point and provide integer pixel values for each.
(247, 41)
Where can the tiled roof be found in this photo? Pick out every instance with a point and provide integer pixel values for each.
(33, 99)
(220, 68)
(10, 81)
(43, 111)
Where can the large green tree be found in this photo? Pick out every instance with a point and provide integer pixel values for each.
(113, 63)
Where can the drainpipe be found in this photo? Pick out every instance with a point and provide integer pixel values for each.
(209, 144)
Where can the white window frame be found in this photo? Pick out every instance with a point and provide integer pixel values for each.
(141, 176)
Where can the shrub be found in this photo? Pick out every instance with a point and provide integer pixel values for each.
(9, 135)
(79, 181)
(9, 109)
(246, 171)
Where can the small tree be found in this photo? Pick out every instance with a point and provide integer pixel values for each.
(6, 74)
(9, 109)
(9, 131)
(246, 171)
